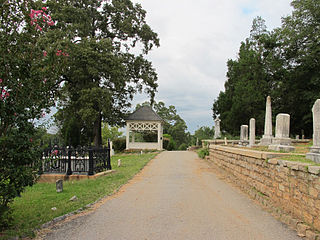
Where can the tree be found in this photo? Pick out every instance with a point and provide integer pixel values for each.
(30, 68)
(104, 69)
(203, 133)
(109, 132)
(299, 39)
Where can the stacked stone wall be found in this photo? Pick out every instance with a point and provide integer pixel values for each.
(290, 186)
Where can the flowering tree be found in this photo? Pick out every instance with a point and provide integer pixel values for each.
(32, 59)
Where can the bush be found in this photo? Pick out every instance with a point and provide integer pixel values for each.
(119, 144)
(169, 144)
(183, 147)
(203, 152)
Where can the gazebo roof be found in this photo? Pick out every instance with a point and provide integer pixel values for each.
(144, 113)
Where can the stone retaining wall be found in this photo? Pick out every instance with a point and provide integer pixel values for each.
(290, 186)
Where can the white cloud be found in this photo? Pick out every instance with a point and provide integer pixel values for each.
(197, 38)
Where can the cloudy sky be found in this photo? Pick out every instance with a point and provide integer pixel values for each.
(197, 38)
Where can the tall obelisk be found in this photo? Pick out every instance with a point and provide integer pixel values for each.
(267, 137)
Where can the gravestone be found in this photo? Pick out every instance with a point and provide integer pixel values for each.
(244, 135)
(266, 139)
(111, 149)
(225, 141)
(217, 131)
(119, 162)
(252, 136)
(282, 140)
(59, 185)
(297, 137)
(314, 151)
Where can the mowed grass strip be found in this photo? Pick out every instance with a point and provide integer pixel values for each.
(33, 208)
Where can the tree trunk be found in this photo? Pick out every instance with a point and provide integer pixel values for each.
(97, 131)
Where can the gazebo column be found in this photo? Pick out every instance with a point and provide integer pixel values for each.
(127, 136)
(160, 136)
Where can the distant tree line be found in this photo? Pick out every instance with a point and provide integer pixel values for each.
(283, 63)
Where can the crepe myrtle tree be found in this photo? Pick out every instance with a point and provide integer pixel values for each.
(108, 66)
(32, 59)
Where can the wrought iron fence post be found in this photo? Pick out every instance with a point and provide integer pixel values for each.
(104, 155)
(108, 156)
(90, 172)
(69, 171)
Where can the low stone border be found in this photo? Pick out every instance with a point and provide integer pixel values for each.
(51, 178)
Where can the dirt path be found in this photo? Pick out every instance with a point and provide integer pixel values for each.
(177, 196)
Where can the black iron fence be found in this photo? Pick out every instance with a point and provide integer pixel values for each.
(80, 160)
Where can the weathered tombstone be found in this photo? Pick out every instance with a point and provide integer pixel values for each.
(225, 141)
(267, 136)
(119, 162)
(217, 131)
(252, 136)
(282, 140)
(111, 149)
(314, 152)
(59, 185)
(297, 137)
(243, 135)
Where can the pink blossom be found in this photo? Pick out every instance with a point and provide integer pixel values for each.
(44, 9)
(45, 53)
(58, 53)
(1, 80)
(30, 139)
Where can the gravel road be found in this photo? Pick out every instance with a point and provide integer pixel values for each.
(176, 196)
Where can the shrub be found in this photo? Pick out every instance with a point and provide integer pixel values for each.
(183, 147)
(119, 144)
(203, 152)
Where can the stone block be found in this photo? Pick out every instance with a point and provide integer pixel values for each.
(273, 161)
(310, 235)
(302, 229)
(313, 192)
(59, 185)
(315, 157)
(284, 148)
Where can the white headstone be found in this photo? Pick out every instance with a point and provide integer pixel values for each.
(225, 141)
(217, 131)
(244, 133)
(267, 136)
(314, 153)
(252, 136)
(282, 140)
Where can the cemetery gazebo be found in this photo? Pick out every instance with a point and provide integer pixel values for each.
(144, 120)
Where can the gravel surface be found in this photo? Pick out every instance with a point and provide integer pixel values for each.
(176, 196)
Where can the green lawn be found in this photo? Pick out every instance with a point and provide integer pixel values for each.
(33, 208)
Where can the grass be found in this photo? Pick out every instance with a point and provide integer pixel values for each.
(299, 158)
(33, 208)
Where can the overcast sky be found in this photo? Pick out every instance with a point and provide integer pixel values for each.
(197, 38)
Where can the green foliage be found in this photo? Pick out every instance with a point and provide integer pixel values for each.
(106, 68)
(119, 144)
(109, 132)
(203, 152)
(174, 125)
(30, 70)
(203, 133)
(284, 64)
(169, 143)
(183, 147)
